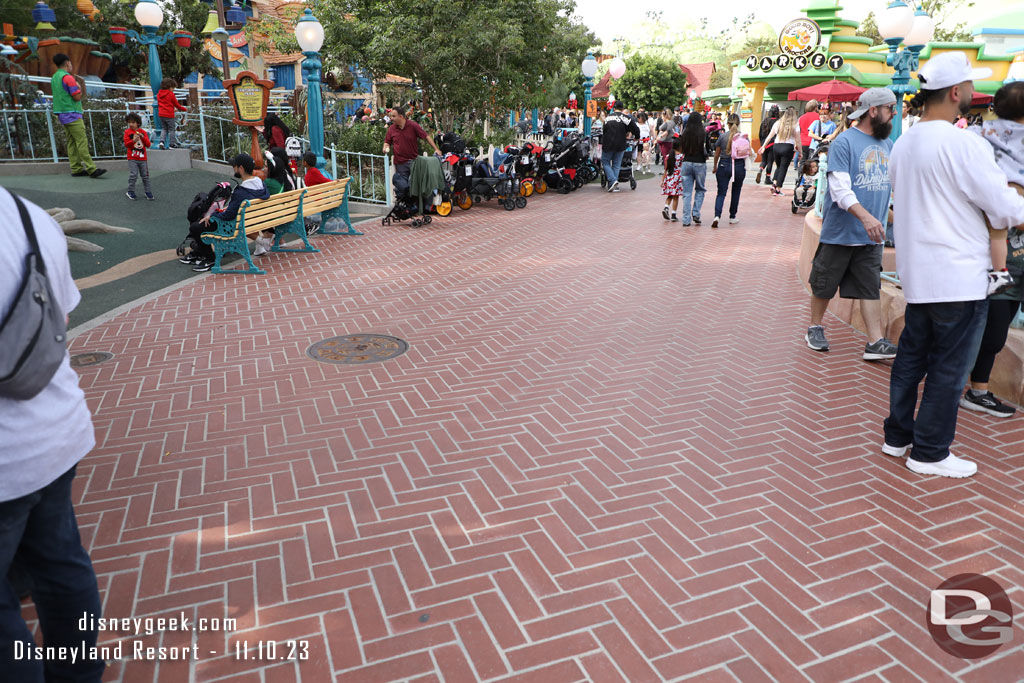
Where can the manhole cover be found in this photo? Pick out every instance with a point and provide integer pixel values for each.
(355, 349)
(80, 360)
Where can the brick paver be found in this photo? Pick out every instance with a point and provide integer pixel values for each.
(607, 456)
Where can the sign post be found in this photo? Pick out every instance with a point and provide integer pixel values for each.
(250, 95)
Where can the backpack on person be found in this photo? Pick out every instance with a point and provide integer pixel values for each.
(740, 146)
(33, 334)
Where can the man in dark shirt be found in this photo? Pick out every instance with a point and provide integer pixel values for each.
(404, 137)
(613, 144)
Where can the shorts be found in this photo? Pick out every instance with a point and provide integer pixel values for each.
(854, 271)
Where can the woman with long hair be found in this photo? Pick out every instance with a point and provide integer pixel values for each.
(274, 131)
(768, 156)
(665, 134)
(643, 149)
(695, 167)
(785, 135)
(730, 167)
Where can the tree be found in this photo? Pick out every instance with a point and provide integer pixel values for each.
(869, 29)
(650, 83)
(941, 11)
(755, 45)
(176, 62)
(464, 54)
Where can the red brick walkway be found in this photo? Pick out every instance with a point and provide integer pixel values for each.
(608, 455)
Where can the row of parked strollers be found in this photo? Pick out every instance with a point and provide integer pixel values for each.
(511, 175)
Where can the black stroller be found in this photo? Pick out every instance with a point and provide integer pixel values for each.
(806, 190)
(497, 181)
(202, 206)
(408, 205)
(626, 170)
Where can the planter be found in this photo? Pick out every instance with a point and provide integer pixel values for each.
(102, 64)
(77, 49)
(92, 63)
(183, 38)
(119, 35)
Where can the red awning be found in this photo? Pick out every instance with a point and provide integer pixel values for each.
(829, 91)
(980, 99)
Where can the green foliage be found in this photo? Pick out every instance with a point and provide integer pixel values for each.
(869, 29)
(367, 138)
(650, 83)
(755, 45)
(464, 54)
(176, 62)
(941, 10)
(268, 31)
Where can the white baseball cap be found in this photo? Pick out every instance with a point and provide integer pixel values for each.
(949, 68)
(873, 97)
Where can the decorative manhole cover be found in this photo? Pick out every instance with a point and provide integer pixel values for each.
(80, 360)
(355, 349)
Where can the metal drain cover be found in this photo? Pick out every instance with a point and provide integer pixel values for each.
(80, 360)
(356, 349)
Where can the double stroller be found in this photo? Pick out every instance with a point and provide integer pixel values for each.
(497, 179)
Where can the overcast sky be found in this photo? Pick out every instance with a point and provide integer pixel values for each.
(608, 19)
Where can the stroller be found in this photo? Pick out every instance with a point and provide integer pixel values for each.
(626, 170)
(806, 190)
(408, 205)
(497, 180)
(204, 205)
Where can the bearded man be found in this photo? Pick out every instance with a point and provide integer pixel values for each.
(849, 256)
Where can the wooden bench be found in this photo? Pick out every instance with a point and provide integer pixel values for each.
(330, 200)
(285, 212)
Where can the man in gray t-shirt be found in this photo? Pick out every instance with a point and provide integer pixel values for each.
(41, 441)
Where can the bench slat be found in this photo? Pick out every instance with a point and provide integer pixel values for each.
(257, 211)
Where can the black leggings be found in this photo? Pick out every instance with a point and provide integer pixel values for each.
(997, 327)
(202, 250)
(783, 158)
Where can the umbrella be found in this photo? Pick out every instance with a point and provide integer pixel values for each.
(829, 91)
(980, 99)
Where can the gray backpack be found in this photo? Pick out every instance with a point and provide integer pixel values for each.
(33, 334)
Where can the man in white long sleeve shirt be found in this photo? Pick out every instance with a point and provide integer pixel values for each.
(945, 182)
(849, 256)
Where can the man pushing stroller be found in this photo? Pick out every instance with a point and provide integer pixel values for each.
(404, 137)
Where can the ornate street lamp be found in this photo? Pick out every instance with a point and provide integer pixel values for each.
(589, 68)
(900, 23)
(310, 35)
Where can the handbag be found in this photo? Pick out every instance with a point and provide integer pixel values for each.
(33, 334)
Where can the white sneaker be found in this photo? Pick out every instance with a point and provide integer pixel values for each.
(714, 223)
(259, 249)
(950, 466)
(734, 221)
(895, 451)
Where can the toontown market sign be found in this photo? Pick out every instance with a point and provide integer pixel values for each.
(800, 42)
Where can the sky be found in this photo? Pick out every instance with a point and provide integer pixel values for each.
(608, 20)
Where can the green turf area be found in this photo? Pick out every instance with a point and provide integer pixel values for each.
(158, 225)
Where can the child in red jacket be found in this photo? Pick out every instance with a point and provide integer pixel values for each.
(167, 106)
(136, 141)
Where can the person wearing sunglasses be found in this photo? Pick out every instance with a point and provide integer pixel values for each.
(849, 255)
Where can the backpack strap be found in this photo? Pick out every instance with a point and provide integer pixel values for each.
(30, 232)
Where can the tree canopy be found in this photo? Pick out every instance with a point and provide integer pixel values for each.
(464, 54)
(650, 83)
(941, 11)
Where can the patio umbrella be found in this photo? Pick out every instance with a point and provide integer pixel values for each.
(829, 91)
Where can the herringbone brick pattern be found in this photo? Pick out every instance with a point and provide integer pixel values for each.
(607, 456)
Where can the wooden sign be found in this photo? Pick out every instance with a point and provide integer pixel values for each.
(249, 95)
(591, 108)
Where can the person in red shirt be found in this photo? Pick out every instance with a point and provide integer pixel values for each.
(805, 121)
(275, 132)
(136, 141)
(167, 105)
(313, 175)
(404, 137)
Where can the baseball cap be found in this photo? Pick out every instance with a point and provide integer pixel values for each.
(949, 68)
(245, 161)
(873, 97)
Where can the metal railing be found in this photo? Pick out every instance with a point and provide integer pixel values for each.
(36, 135)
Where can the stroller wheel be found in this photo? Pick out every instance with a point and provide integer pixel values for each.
(464, 201)
(510, 204)
(526, 188)
(385, 221)
(521, 202)
(794, 208)
(565, 186)
(444, 208)
(477, 199)
(632, 183)
(541, 186)
(427, 220)
(416, 222)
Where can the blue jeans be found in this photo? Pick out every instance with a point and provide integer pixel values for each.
(693, 175)
(723, 176)
(41, 529)
(612, 162)
(940, 342)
